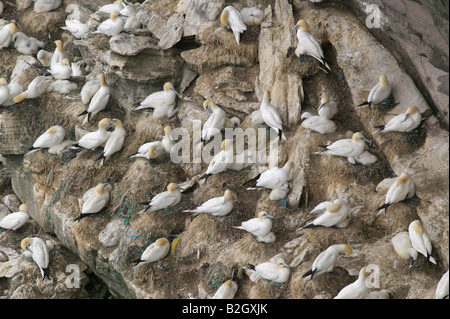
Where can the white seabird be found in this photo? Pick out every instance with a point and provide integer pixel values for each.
(98, 101)
(96, 201)
(401, 189)
(217, 206)
(156, 148)
(346, 147)
(36, 88)
(232, 19)
(270, 115)
(46, 5)
(14, 90)
(115, 140)
(112, 26)
(40, 253)
(357, 289)
(403, 247)
(163, 102)
(226, 291)
(258, 227)
(379, 92)
(166, 199)
(403, 122)
(215, 122)
(420, 240)
(278, 271)
(89, 89)
(61, 70)
(327, 108)
(221, 161)
(442, 287)
(59, 54)
(252, 17)
(111, 7)
(5, 91)
(92, 140)
(317, 124)
(335, 215)
(25, 44)
(62, 86)
(6, 34)
(155, 251)
(44, 57)
(326, 261)
(275, 177)
(15, 220)
(378, 294)
(53, 136)
(78, 29)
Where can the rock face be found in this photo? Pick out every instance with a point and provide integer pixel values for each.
(184, 43)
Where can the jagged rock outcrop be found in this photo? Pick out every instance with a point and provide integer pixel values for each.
(183, 42)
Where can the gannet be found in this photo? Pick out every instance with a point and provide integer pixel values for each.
(327, 108)
(257, 118)
(215, 122)
(115, 6)
(89, 89)
(5, 91)
(357, 289)
(25, 44)
(365, 158)
(346, 147)
(14, 90)
(156, 148)
(6, 35)
(98, 101)
(258, 227)
(401, 189)
(155, 251)
(96, 201)
(78, 29)
(442, 287)
(270, 115)
(327, 259)
(54, 135)
(62, 86)
(403, 247)
(335, 215)
(40, 253)
(317, 124)
(115, 140)
(163, 102)
(58, 54)
(232, 19)
(420, 240)
(46, 5)
(226, 291)
(92, 140)
(233, 122)
(61, 70)
(379, 92)
(403, 122)
(44, 57)
(112, 26)
(278, 272)
(131, 22)
(307, 43)
(221, 161)
(217, 206)
(275, 177)
(252, 17)
(15, 220)
(378, 294)
(77, 69)
(36, 88)
(166, 199)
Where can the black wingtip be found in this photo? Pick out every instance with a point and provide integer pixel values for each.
(323, 146)
(250, 266)
(82, 113)
(365, 103)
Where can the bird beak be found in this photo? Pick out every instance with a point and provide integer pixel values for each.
(296, 27)
(268, 215)
(321, 105)
(109, 126)
(208, 109)
(406, 117)
(178, 94)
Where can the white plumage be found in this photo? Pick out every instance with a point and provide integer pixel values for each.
(221, 161)
(115, 140)
(61, 70)
(112, 26)
(155, 251)
(252, 17)
(365, 158)
(62, 86)
(15, 220)
(270, 115)
(40, 253)
(317, 124)
(98, 101)
(163, 102)
(420, 240)
(77, 69)
(36, 88)
(442, 287)
(53, 136)
(403, 247)
(46, 5)
(44, 57)
(6, 35)
(5, 92)
(166, 199)
(308, 44)
(334, 215)
(226, 291)
(258, 227)
(346, 147)
(232, 19)
(131, 22)
(327, 108)
(275, 177)
(401, 189)
(378, 294)
(14, 90)
(58, 54)
(25, 44)
(379, 92)
(357, 289)
(89, 89)
(403, 122)
(217, 206)
(278, 271)
(156, 148)
(78, 29)
(326, 261)
(92, 140)
(115, 6)
(95, 201)
(215, 122)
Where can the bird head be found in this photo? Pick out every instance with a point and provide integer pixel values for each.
(302, 25)
(333, 208)
(383, 80)
(281, 263)
(417, 227)
(347, 250)
(224, 18)
(26, 242)
(264, 215)
(13, 28)
(228, 195)
(161, 242)
(266, 96)
(59, 45)
(172, 187)
(104, 123)
(101, 78)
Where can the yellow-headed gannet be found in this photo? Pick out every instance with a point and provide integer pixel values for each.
(155, 149)
(61, 70)
(335, 215)
(166, 199)
(130, 12)
(232, 19)
(217, 206)
(6, 35)
(44, 57)
(89, 89)
(275, 177)
(98, 101)
(115, 6)
(53, 136)
(155, 251)
(46, 5)
(403, 247)
(95, 201)
(270, 115)
(378, 294)
(40, 253)
(252, 17)
(442, 287)
(327, 108)
(401, 189)
(78, 29)
(327, 259)
(420, 240)
(307, 43)
(25, 44)
(215, 122)
(92, 140)
(115, 140)
(403, 122)
(112, 26)
(226, 291)
(259, 226)
(58, 54)
(163, 102)
(317, 123)
(36, 88)
(379, 92)
(221, 161)
(346, 147)
(15, 220)
(277, 271)
(357, 289)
